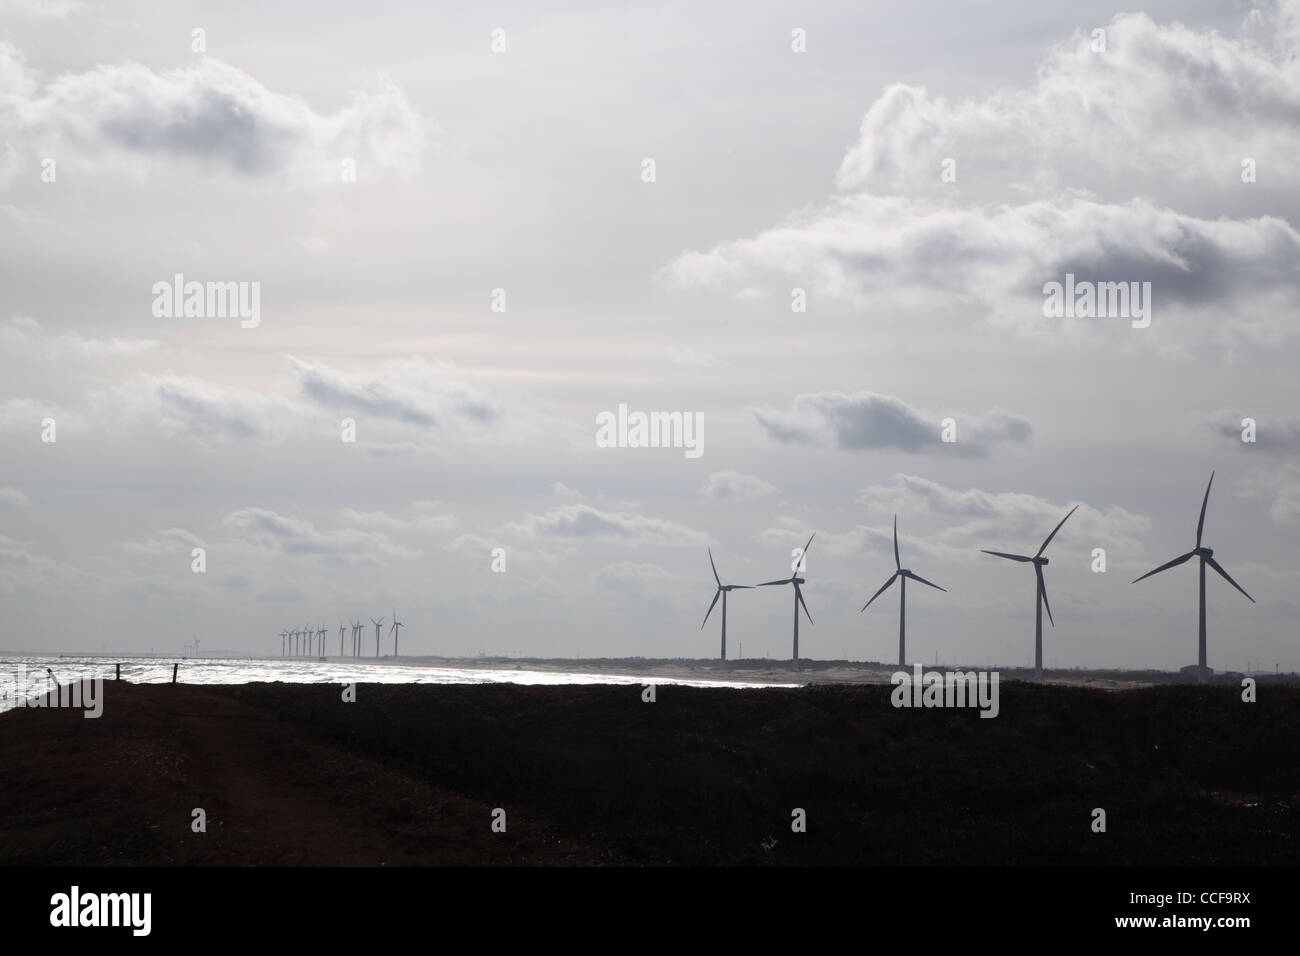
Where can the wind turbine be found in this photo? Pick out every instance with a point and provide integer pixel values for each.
(356, 631)
(284, 636)
(722, 592)
(798, 598)
(901, 574)
(341, 630)
(378, 625)
(396, 631)
(1207, 557)
(1039, 562)
(320, 634)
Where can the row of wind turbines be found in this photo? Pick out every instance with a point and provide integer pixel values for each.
(902, 575)
(310, 642)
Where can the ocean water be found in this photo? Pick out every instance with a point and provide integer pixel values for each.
(26, 676)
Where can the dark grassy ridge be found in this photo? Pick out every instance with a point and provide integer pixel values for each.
(409, 774)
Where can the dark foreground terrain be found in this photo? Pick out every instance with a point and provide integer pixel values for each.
(410, 774)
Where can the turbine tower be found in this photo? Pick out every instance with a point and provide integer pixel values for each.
(1207, 557)
(901, 574)
(378, 626)
(396, 631)
(341, 630)
(284, 636)
(721, 592)
(798, 598)
(1039, 562)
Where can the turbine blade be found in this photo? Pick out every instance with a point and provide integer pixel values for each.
(1200, 525)
(716, 594)
(1054, 530)
(799, 597)
(1013, 557)
(917, 577)
(742, 587)
(782, 581)
(1042, 591)
(883, 588)
(1227, 577)
(809, 544)
(715, 568)
(1165, 567)
(897, 562)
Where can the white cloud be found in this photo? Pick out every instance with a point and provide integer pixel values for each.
(967, 520)
(26, 333)
(169, 541)
(735, 485)
(569, 522)
(12, 499)
(295, 536)
(1114, 167)
(40, 9)
(211, 114)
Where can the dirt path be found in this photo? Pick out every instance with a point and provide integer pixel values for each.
(271, 795)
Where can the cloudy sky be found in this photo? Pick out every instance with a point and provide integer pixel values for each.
(1160, 150)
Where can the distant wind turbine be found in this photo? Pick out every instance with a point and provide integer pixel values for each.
(396, 631)
(1207, 557)
(798, 598)
(378, 626)
(321, 633)
(1039, 562)
(901, 574)
(341, 630)
(721, 592)
(284, 636)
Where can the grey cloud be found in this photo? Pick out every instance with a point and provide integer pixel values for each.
(410, 391)
(1273, 433)
(867, 420)
(206, 411)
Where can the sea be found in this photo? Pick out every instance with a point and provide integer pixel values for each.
(24, 675)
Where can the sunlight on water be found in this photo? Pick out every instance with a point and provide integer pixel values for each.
(26, 676)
